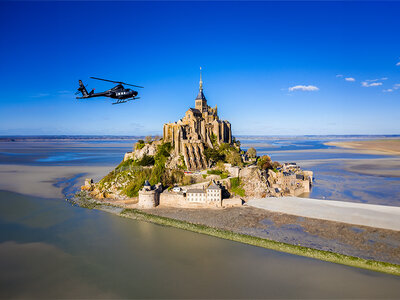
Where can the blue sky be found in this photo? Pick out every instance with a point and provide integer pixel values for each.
(273, 68)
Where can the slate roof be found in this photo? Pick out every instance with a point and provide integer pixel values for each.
(192, 191)
(213, 186)
(200, 95)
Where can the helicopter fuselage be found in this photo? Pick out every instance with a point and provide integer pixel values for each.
(117, 92)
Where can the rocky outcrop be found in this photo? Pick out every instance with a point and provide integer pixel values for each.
(253, 182)
(148, 149)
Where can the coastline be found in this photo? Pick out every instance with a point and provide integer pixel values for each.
(329, 256)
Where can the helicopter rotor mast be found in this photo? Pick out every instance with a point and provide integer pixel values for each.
(119, 82)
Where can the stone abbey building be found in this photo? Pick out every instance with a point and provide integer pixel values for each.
(199, 128)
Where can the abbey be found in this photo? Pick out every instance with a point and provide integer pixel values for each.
(198, 129)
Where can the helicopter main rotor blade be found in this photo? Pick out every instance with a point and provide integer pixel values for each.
(120, 82)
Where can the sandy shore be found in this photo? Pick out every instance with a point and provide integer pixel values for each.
(39, 181)
(378, 216)
(387, 147)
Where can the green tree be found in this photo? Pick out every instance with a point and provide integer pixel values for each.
(264, 162)
(251, 152)
(234, 158)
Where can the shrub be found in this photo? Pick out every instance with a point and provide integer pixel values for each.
(147, 160)
(251, 152)
(236, 186)
(265, 163)
(214, 172)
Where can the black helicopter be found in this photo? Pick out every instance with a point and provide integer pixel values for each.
(118, 92)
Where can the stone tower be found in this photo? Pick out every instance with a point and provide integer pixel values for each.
(201, 101)
(198, 129)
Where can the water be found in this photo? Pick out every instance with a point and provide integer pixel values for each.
(49, 249)
(332, 179)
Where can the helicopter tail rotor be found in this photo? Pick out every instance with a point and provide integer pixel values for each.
(82, 89)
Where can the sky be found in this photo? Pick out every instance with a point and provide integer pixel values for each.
(273, 68)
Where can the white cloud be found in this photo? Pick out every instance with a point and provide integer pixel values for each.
(372, 80)
(308, 88)
(40, 95)
(366, 84)
(349, 79)
(388, 90)
(398, 64)
(339, 75)
(396, 86)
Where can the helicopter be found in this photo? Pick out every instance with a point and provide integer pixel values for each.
(118, 92)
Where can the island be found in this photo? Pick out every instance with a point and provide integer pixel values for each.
(198, 163)
(196, 177)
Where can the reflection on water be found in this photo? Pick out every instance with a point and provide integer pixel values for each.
(51, 249)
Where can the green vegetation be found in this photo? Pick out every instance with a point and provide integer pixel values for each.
(264, 243)
(251, 152)
(139, 145)
(182, 164)
(222, 174)
(133, 173)
(236, 186)
(265, 163)
(224, 153)
(214, 172)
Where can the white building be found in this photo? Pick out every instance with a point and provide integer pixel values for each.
(211, 195)
(214, 193)
(196, 195)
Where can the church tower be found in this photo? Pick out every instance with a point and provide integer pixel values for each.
(201, 101)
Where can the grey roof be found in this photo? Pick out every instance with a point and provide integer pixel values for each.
(192, 191)
(213, 186)
(200, 95)
(195, 111)
(147, 183)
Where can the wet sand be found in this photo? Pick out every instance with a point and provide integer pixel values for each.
(387, 147)
(40, 181)
(377, 216)
(354, 240)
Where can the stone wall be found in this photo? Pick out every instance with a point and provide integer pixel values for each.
(147, 199)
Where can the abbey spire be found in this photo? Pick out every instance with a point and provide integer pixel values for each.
(201, 101)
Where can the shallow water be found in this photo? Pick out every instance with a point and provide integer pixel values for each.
(51, 249)
(332, 180)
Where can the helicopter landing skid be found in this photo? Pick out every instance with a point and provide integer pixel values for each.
(124, 100)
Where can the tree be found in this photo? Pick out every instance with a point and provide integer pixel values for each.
(265, 162)
(234, 158)
(251, 152)
(148, 139)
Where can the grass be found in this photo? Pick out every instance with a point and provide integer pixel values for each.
(236, 186)
(264, 243)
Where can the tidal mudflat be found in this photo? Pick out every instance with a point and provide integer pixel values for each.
(49, 248)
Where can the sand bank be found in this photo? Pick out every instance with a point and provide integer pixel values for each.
(378, 216)
(39, 181)
(387, 147)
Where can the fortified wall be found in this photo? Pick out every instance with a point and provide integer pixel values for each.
(198, 129)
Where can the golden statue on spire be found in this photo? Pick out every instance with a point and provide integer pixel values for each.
(201, 82)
